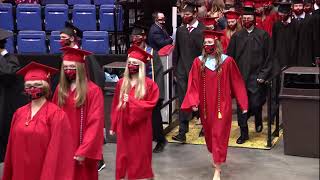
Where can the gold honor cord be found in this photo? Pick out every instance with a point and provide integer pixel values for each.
(219, 93)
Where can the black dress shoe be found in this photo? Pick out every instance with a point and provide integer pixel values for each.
(160, 147)
(180, 138)
(242, 140)
(259, 128)
(201, 134)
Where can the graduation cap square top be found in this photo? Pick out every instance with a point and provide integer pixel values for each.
(71, 30)
(297, 2)
(212, 34)
(139, 28)
(284, 7)
(208, 21)
(190, 6)
(232, 15)
(74, 55)
(36, 71)
(248, 3)
(139, 54)
(248, 11)
(4, 34)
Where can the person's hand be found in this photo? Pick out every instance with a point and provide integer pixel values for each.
(260, 81)
(244, 111)
(125, 97)
(80, 159)
(195, 108)
(112, 133)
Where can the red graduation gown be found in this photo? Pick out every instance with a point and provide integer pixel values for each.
(202, 89)
(41, 150)
(92, 134)
(225, 41)
(133, 126)
(267, 23)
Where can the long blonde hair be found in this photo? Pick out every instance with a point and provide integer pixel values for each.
(230, 32)
(217, 55)
(81, 86)
(140, 89)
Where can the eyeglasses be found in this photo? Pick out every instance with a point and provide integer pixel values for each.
(132, 63)
(66, 67)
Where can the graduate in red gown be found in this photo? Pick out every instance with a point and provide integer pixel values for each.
(82, 100)
(213, 80)
(131, 115)
(233, 25)
(40, 140)
(265, 18)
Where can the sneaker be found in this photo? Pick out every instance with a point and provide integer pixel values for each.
(101, 165)
(160, 147)
(180, 138)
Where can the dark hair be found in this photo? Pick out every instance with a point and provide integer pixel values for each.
(3, 43)
(155, 15)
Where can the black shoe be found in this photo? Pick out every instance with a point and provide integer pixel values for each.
(244, 131)
(160, 147)
(101, 165)
(259, 128)
(242, 140)
(201, 134)
(180, 137)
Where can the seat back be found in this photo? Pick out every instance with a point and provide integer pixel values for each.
(55, 16)
(55, 42)
(100, 2)
(96, 42)
(32, 42)
(73, 2)
(6, 16)
(84, 17)
(107, 17)
(29, 17)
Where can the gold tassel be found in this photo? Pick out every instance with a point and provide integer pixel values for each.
(219, 115)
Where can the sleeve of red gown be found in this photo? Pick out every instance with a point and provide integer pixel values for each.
(7, 171)
(139, 110)
(237, 86)
(115, 102)
(59, 161)
(92, 142)
(192, 96)
(55, 96)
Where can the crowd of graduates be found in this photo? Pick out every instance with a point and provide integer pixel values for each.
(219, 54)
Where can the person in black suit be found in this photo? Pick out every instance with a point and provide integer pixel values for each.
(158, 36)
(189, 43)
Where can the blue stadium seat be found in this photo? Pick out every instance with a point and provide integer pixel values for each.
(6, 16)
(55, 16)
(107, 19)
(10, 45)
(84, 17)
(45, 2)
(55, 42)
(96, 42)
(100, 2)
(29, 17)
(31, 42)
(73, 2)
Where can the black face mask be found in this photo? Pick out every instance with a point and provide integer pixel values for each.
(3, 44)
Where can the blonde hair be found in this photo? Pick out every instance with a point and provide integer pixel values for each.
(229, 32)
(217, 55)
(140, 89)
(81, 86)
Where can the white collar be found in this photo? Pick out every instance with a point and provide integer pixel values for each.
(302, 16)
(194, 25)
(316, 7)
(288, 20)
(76, 47)
(250, 30)
(211, 62)
(4, 52)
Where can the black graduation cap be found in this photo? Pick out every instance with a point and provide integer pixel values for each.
(308, 1)
(139, 28)
(190, 6)
(297, 1)
(248, 11)
(284, 7)
(71, 30)
(4, 34)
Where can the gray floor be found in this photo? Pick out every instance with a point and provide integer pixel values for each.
(192, 162)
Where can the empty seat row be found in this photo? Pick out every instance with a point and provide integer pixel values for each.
(84, 17)
(35, 42)
(73, 2)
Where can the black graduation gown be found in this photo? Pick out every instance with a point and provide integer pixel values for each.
(188, 46)
(304, 43)
(158, 78)
(95, 71)
(284, 39)
(11, 97)
(252, 53)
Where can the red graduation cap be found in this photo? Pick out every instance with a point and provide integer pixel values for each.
(73, 54)
(248, 3)
(35, 71)
(212, 34)
(208, 21)
(139, 54)
(232, 15)
(258, 5)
